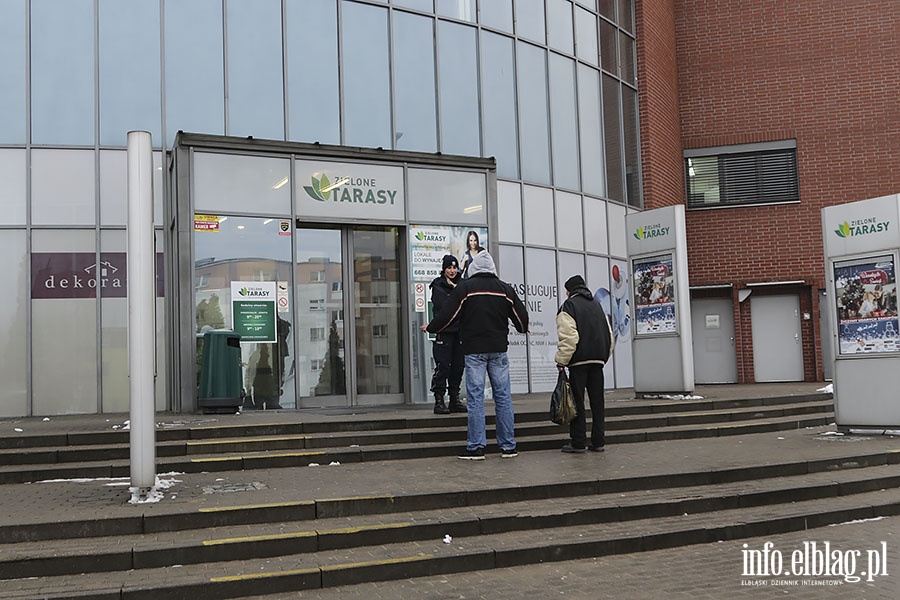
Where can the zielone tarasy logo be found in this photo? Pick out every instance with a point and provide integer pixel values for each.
(253, 292)
(359, 190)
(650, 231)
(861, 227)
(319, 184)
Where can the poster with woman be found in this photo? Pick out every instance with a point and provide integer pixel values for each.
(654, 295)
(866, 300)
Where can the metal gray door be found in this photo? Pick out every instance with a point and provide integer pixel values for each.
(712, 328)
(777, 344)
(826, 333)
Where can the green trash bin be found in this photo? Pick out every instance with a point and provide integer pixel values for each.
(220, 372)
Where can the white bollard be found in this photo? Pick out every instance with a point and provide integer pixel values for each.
(141, 313)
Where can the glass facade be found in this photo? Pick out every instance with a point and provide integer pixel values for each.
(546, 87)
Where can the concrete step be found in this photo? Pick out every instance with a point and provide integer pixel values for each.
(200, 545)
(527, 439)
(616, 412)
(345, 566)
(469, 495)
(251, 440)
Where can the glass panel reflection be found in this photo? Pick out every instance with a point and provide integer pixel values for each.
(378, 319)
(231, 249)
(319, 290)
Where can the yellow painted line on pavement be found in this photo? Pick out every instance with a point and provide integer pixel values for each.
(309, 571)
(255, 506)
(372, 563)
(242, 426)
(345, 530)
(391, 498)
(273, 438)
(741, 426)
(303, 534)
(270, 455)
(286, 454)
(260, 538)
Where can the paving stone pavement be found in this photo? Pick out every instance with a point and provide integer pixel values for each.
(701, 572)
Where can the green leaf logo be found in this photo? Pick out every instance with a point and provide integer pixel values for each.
(639, 234)
(315, 191)
(420, 236)
(242, 291)
(843, 230)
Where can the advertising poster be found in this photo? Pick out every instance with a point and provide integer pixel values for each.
(429, 243)
(541, 298)
(654, 295)
(866, 299)
(253, 310)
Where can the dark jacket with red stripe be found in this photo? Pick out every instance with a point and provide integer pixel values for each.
(482, 304)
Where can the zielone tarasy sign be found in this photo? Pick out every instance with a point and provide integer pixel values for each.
(349, 190)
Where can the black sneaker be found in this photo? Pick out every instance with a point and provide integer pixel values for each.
(508, 453)
(593, 448)
(570, 449)
(476, 454)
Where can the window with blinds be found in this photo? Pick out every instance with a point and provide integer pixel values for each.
(733, 177)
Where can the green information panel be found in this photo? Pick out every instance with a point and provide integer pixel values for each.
(253, 310)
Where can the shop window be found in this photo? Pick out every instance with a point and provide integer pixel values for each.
(740, 175)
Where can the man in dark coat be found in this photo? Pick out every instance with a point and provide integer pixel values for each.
(483, 304)
(446, 349)
(585, 344)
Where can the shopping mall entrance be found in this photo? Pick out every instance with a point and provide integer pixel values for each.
(312, 354)
(318, 258)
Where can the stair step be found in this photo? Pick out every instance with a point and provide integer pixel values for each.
(71, 556)
(427, 557)
(279, 452)
(125, 522)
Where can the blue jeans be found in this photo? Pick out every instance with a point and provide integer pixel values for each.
(496, 365)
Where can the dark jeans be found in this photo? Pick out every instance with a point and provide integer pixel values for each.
(590, 378)
(449, 363)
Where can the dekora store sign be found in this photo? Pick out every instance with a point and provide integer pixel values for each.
(349, 190)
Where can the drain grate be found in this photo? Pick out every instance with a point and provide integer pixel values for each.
(234, 487)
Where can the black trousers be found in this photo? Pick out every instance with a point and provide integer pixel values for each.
(449, 364)
(587, 378)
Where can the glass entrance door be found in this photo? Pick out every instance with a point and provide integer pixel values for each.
(342, 362)
(238, 253)
(319, 293)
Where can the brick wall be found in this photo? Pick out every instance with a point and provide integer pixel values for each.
(825, 73)
(661, 150)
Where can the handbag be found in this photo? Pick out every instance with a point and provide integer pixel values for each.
(562, 407)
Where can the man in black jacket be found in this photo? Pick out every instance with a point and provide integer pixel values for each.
(585, 344)
(446, 349)
(483, 304)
